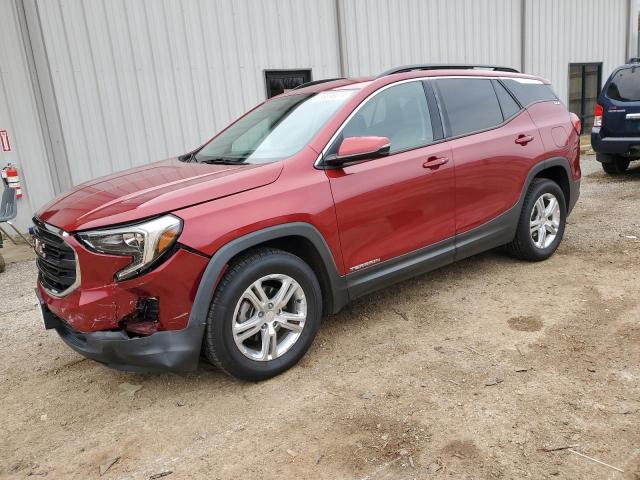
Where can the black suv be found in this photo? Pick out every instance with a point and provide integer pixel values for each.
(616, 125)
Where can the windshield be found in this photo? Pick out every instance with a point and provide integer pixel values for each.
(275, 130)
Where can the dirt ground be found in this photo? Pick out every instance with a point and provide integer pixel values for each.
(468, 372)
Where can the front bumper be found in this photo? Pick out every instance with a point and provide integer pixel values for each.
(628, 146)
(100, 318)
(100, 304)
(176, 350)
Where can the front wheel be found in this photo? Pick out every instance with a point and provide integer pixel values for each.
(612, 164)
(542, 222)
(264, 315)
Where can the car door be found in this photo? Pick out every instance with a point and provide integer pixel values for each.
(390, 206)
(494, 144)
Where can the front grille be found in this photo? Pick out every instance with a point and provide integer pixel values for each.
(57, 263)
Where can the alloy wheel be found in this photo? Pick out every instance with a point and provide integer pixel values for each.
(269, 317)
(545, 220)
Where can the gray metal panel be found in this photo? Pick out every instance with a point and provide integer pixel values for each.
(19, 116)
(141, 81)
(380, 34)
(562, 32)
(128, 82)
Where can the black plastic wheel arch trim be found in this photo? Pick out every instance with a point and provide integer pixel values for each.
(220, 259)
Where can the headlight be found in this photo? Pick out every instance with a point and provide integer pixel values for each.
(144, 242)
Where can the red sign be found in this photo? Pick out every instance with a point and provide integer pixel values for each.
(4, 141)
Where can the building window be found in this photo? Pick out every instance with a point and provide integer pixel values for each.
(281, 81)
(585, 80)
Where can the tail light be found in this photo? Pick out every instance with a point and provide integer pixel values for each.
(597, 115)
(577, 124)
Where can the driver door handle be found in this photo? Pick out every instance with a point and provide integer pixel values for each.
(523, 139)
(434, 162)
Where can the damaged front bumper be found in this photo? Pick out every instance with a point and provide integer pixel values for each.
(173, 350)
(143, 324)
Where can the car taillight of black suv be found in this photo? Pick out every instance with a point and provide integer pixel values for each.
(616, 125)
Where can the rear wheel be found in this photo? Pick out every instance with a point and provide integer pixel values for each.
(542, 222)
(264, 315)
(613, 164)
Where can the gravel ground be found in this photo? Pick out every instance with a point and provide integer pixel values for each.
(468, 372)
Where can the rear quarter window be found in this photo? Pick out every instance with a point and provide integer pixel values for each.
(528, 92)
(508, 105)
(624, 85)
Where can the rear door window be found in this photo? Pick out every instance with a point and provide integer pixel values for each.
(470, 104)
(625, 85)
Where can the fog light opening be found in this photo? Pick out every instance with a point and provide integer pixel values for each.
(144, 320)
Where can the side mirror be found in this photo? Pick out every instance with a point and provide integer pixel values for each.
(355, 149)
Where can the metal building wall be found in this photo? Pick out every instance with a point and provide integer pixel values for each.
(569, 31)
(138, 81)
(379, 34)
(121, 83)
(19, 116)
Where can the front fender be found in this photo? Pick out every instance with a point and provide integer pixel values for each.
(219, 261)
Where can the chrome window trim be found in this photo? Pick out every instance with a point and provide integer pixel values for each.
(62, 235)
(318, 162)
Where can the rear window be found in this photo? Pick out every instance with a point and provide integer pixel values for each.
(529, 91)
(471, 104)
(625, 85)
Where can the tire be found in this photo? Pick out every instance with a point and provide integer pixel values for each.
(231, 303)
(524, 246)
(612, 164)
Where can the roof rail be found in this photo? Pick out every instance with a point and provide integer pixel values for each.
(454, 66)
(634, 60)
(316, 82)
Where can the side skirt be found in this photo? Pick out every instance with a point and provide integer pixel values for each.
(400, 268)
(495, 233)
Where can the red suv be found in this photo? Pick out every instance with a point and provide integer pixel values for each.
(312, 199)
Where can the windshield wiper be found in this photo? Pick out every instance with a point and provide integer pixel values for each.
(222, 161)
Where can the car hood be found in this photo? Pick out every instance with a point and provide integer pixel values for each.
(151, 190)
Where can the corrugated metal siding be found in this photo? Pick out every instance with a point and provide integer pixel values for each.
(19, 116)
(144, 80)
(137, 81)
(571, 31)
(380, 34)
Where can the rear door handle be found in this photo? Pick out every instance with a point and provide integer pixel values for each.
(523, 139)
(434, 162)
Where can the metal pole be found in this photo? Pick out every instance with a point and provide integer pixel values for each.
(523, 31)
(628, 29)
(341, 46)
(44, 94)
(3, 231)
